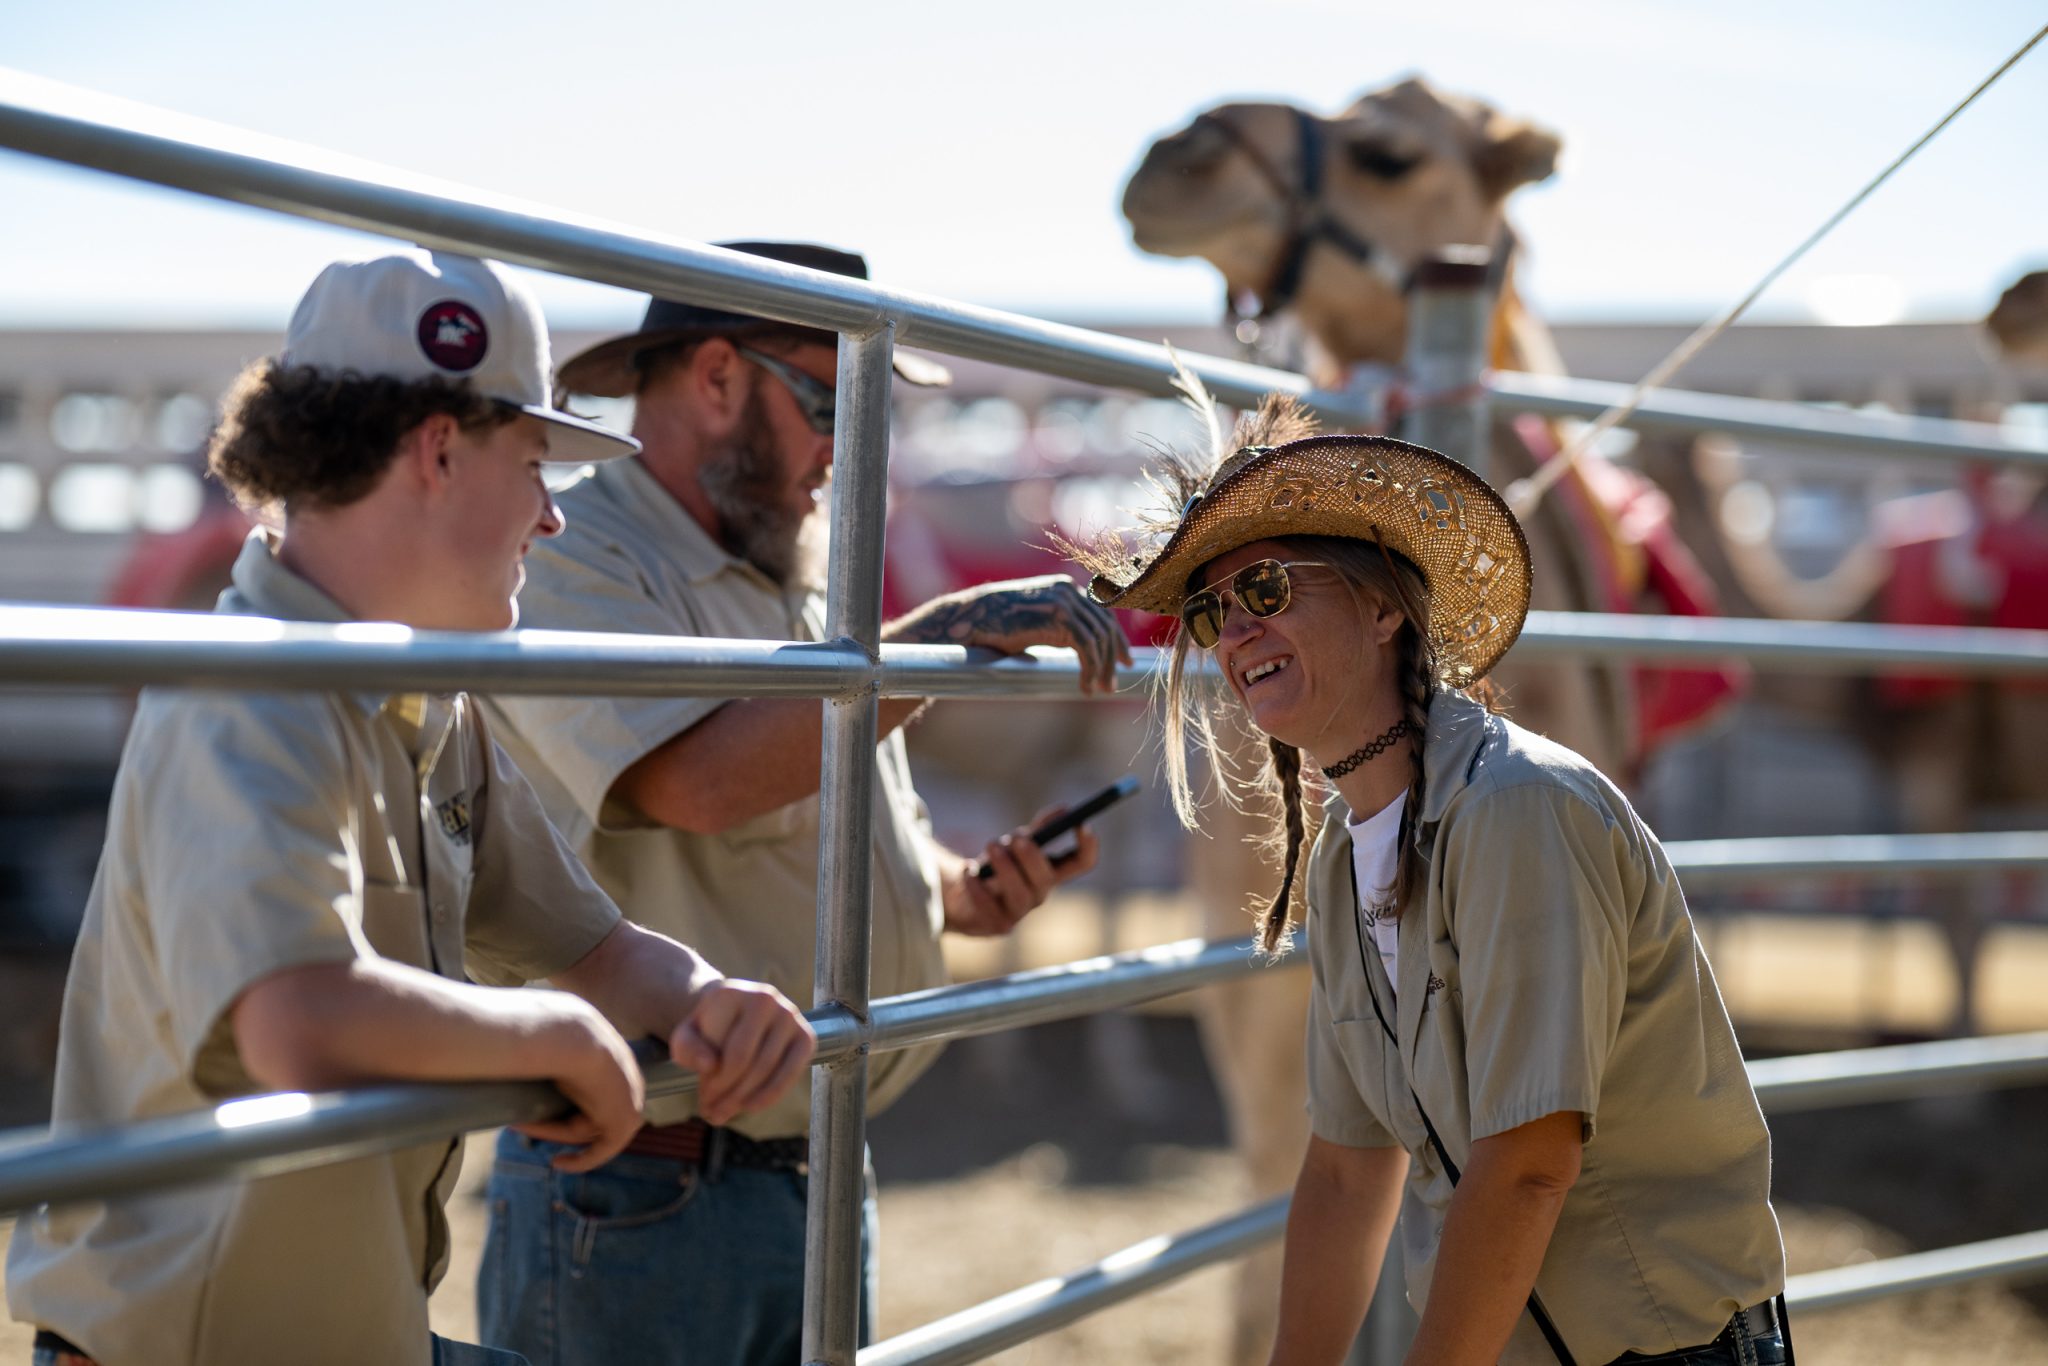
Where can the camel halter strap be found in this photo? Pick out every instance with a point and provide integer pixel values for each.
(1309, 221)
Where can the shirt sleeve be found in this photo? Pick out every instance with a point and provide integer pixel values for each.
(1535, 880)
(1337, 1113)
(533, 908)
(582, 744)
(244, 840)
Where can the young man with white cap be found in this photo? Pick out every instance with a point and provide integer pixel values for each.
(700, 816)
(300, 891)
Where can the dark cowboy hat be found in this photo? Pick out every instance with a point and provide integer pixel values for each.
(611, 369)
(1438, 514)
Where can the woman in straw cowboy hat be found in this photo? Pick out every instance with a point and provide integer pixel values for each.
(1515, 1042)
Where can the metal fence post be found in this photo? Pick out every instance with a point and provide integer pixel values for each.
(860, 482)
(1450, 315)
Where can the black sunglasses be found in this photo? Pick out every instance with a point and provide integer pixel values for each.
(1262, 589)
(815, 399)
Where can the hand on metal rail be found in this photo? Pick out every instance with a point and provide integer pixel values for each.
(1014, 615)
(595, 1069)
(746, 1043)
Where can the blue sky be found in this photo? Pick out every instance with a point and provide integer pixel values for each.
(978, 151)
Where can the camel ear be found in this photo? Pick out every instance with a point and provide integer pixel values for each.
(1512, 154)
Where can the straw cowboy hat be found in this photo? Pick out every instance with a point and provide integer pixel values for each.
(1427, 507)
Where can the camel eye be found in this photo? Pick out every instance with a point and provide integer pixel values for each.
(1376, 159)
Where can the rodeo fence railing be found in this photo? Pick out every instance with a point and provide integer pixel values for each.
(256, 1135)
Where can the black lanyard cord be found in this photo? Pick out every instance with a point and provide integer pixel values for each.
(1536, 1310)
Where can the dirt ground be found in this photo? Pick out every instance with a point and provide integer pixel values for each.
(1031, 1154)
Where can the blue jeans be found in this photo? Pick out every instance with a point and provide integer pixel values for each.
(446, 1353)
(450, 1353)
(649, 1262)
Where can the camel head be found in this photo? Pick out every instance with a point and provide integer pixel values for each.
(2020, 322)
(1402, 172)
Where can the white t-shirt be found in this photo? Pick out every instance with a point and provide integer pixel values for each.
(1375, 858)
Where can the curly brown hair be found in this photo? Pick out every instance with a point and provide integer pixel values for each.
(296, 437)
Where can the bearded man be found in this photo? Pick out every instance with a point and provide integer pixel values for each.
(700, 817)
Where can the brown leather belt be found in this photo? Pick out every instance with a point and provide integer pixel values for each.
(707, 1147)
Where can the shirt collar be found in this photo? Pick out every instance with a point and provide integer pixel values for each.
(261, 586)
(1458, 732)
(685, 544)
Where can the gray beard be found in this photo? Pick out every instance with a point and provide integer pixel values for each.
(745, 485)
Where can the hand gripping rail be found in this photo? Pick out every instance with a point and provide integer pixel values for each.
(264, 1135)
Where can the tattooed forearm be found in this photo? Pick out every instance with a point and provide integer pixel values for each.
(1013, 616)
(962, 619)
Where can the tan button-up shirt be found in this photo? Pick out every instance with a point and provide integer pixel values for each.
(1548, 963)
(632, 559)
(250, 833)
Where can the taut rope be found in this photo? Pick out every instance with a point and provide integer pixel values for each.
(1524, 494)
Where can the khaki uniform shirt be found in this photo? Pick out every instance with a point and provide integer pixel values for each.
(1548, 963)
(250, 833)
(633, 560)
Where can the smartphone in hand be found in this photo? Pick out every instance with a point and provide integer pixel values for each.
(1093, 806)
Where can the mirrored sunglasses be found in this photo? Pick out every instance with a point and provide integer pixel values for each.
(1262, 589)
(815, 399)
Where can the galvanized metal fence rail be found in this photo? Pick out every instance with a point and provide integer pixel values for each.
(45, 646)
(64, 646)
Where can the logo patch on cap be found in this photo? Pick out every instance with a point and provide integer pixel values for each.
(453, 336)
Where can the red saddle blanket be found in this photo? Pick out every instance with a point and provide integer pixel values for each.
(1986, 566)
(1625, 521)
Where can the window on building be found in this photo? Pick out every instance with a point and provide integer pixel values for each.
(93, 498)
(105, 498)
(20, 492)
(1060, 429)
(95, 424)
(2026, 422)
(182, 424)
(168, 498)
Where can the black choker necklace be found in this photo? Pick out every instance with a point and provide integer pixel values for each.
(1368, 752)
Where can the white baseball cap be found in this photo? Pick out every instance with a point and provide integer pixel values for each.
(419, 314)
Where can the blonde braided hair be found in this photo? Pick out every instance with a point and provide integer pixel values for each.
(1277, 916)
